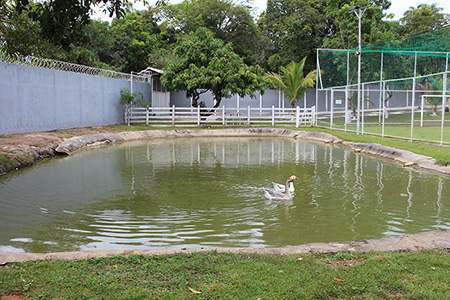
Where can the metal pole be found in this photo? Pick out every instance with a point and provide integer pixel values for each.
(413, 97)
(317, 83)
(381, 91)
(444, 96)
(332, 108)
(359, 71)
(384, 110)
(359, 12)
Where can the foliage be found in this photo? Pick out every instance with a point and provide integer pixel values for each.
(129, 99)
(228, 21)
(62, 21)
(423, 19)
(344, 28)
(292, 80)
(216, 275)
(203, 63)
(136, 37)
(20, 34)
(295, 28)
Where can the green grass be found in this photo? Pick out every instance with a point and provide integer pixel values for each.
(399, 125)
(441, 154)
(213, 275)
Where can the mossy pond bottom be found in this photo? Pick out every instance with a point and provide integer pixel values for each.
(207, 193)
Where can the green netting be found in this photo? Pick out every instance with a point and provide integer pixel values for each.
(400, 62)
(435, 43)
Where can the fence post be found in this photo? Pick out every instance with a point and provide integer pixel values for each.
(313, 115)
(129, 115)
(332, 108)
(125, 114)
(198, 116)
(273, 115)
(297, 116)
(146, 115)
(444, 94)
(248, 115)
(173, 115)
(224, 122)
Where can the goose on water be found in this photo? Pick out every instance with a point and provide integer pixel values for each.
(272, 194)
(280, 187)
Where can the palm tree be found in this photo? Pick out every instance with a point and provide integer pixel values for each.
(292, 81)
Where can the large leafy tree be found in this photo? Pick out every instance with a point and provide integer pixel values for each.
(62, 21)
(344, 24)
(295, 28)
(19, 33)
(227, 20)
(423, 19)
(292, 80)
(204, 63)
(137, 37)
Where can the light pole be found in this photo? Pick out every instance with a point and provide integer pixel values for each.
(359, 12)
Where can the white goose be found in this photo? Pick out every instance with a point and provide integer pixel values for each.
(276, 195)
(281, 187)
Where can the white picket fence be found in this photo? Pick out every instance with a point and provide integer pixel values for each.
(222, 116)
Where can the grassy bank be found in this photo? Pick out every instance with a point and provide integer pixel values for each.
(441, 154)
(213, 275)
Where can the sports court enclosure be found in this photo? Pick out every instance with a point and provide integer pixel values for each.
(405, 88)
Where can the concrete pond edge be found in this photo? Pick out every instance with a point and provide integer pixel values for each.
(438, 239)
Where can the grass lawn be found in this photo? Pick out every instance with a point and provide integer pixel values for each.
(399, 125)
(213, 275)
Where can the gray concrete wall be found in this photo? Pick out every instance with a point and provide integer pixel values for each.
(38, 99)
(269, 98)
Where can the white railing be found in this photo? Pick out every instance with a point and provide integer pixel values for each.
(171, 116)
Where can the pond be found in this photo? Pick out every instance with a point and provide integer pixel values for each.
(207, 193)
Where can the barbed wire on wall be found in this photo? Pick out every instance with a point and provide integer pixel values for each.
(66, 66)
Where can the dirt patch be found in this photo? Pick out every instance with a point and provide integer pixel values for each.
(25, 149)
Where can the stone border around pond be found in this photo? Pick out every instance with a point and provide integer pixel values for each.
(439, 239)
(404, 157)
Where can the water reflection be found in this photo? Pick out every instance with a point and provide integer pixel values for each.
(192, 193)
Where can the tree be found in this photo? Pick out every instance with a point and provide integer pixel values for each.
(295, 28)
(137, 36)
(203, 63)
(62, 21)
(292, 81)
(423, 19)
(19, 33)
(228, 21)
(344, 24)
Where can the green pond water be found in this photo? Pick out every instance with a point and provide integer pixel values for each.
(207, 193)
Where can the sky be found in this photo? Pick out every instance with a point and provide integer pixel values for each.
(398, 7)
